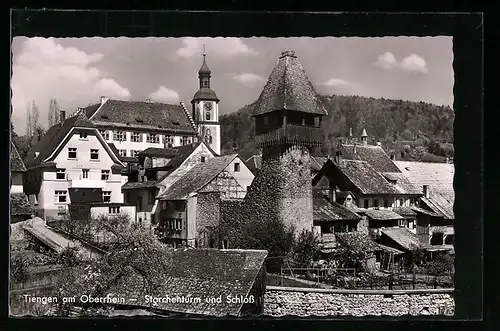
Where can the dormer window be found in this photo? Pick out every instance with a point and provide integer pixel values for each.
(139, 120)
(104, 117)
(175, 122)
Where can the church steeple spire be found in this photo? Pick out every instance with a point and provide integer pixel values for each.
(204, 72)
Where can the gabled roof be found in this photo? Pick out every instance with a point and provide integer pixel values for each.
(288, 88)
(16, 163)
(440, 204)
(254, 163)
(439, 176)
(199, 273)
(382, 214)
(54, 136)
(375, 155)
(404, 238)
(325, 210)
(197, 178)
(19, 205)
(404, 211)
(140, 114)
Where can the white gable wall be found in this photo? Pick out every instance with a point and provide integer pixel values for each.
(244, 176)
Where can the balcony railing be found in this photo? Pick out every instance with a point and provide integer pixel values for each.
(292, 134)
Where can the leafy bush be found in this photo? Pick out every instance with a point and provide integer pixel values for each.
(304, 249)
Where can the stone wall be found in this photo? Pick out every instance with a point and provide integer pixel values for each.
(207, 219)
(282, 189)
(281, 301)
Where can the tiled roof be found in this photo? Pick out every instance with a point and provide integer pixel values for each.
(254, 163)
(419, 210)
(317, 162)
(182, 153)
(19, 204)
(448, 230)
(440, 204)
(141, 114)
(199, 273)
(197, 178)
(137, 185)
(400, 183)
(289, 88)
(374, 155)
(16, 163)
(382, 214)
(404, 237)
(54, 136)
(404, 211)
(390, 249)
(324, 210)
(369, 181)
(154, 151)
(439, 176)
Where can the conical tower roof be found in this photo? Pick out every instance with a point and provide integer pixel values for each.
(289, 88)
(364, 134)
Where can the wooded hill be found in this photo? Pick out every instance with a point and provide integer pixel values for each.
(410, 130)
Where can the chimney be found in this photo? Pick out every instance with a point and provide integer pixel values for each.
(426, 191)
(104, 99)
(62, 116)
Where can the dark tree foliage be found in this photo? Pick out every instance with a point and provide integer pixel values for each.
(304, 249)
(387, 121)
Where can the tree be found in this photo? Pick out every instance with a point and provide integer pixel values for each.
(304, 249)
(53, 114)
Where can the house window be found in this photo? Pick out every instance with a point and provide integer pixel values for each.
(402, 223)
(105, 174)
(365, 203)
(225, 244)
(174, 224)
(411, 224)
(237, 167)
(202, 159)
(210, 139)
(375, 203)
(94, 154)
(134, 153)
(106, 196)
(104, 134)
(169, 141)
(119, 136)
(164, 205)
(386, 203)
(85, 173)
(136, 137)
(71, 153)
(61, 174)
(179, 206)
(184, 140)
(61, 196)
(153, 138)
(122, 152)
(401, 202)
(114, 210)
(83, 135)
(266, 120)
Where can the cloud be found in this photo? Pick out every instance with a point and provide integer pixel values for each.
(386, 61)
(224, 47)
(248, 79)
(337, 82)
(163, 94)
(44, 69)
(414, 63)
(411, 63)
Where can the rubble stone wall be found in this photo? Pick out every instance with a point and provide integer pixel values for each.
(282, 301)
(282, 188)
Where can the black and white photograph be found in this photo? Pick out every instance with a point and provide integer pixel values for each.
(232, 176)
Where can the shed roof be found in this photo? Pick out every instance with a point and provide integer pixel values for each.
(16, 163)
(324, 210)
(288, 88)
(200, 273)
(197, 178)
(404, 237)
(382, 214)
(19, 205)
(141, 115)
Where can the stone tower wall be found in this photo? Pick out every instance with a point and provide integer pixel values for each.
(282, 188)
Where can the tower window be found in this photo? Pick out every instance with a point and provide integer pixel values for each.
(207, 116)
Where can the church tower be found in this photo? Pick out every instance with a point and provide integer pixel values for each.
(205, 108)
(287, 117)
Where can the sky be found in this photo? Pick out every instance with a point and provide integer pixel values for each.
(78, 71)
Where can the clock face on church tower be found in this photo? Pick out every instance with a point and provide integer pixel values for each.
(207, 106)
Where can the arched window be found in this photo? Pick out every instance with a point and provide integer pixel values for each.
(209, 139)
(207, 116)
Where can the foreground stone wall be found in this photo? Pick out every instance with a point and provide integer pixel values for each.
(281, 301)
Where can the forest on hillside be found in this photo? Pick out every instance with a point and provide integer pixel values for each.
(409, 130)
